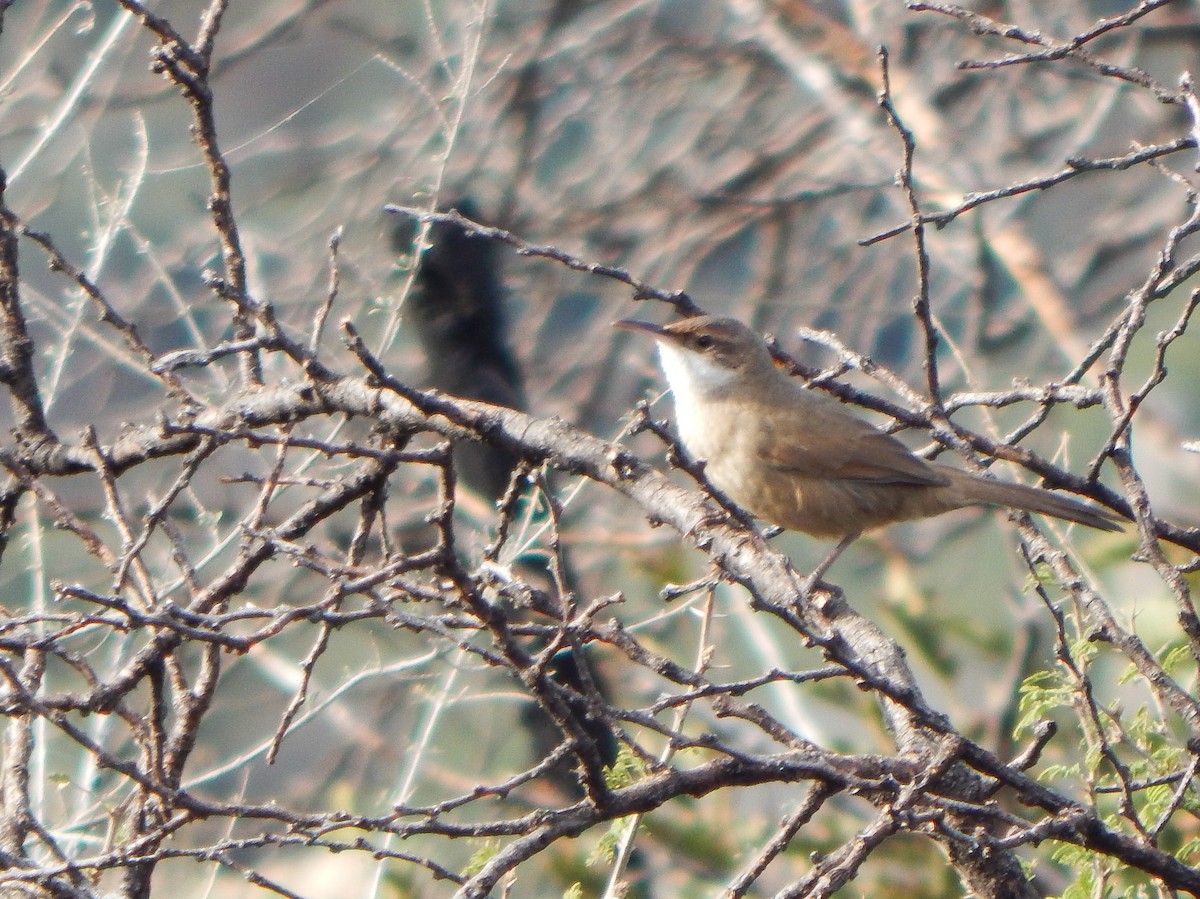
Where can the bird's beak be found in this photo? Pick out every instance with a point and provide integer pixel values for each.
(632, 324)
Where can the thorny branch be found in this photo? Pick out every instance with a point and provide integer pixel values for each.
(316, 521)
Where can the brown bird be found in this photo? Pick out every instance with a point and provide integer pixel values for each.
(797, 458)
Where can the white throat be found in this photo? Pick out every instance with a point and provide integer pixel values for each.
(693, 378)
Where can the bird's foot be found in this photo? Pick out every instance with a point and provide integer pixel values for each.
(814, 580)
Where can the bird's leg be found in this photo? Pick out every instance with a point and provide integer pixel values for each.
(814, 579)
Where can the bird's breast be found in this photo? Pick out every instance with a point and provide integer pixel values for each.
(727, 435)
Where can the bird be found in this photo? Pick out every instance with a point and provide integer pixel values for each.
(799, 459)
(458, 305)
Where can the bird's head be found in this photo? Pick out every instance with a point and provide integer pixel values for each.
(707, 354)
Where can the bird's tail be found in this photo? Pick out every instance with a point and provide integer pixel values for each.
(988, 491)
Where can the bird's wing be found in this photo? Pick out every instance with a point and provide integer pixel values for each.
(834, 445)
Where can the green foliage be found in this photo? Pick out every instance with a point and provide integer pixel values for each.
(628, 769)
(1042, 694)
(483, 853)
(606, 849)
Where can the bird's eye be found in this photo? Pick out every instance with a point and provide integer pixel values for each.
(704, 341)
